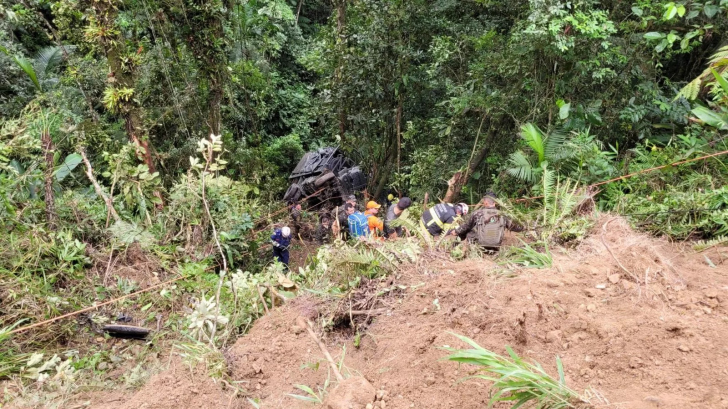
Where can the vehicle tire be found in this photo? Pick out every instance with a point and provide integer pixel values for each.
(323, 179)
(294, 192)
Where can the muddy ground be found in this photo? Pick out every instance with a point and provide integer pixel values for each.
(642, 327)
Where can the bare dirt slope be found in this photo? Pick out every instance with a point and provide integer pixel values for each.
(648, 334)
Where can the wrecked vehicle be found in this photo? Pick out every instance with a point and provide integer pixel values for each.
(326, 170)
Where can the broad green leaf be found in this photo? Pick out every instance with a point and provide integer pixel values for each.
(653, 35)
(637, 11)
(723, 83)
(26, 66)
(671, 37)
(692, 14)
(670, 11)
(681, 10)
(711, 10)
(564, 111)
(68, 165)
(711, 117)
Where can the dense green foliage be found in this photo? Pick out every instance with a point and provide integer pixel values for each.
(104, 107)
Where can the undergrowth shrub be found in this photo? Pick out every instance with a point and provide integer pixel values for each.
(687, 201)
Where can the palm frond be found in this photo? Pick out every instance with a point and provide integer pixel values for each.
(24, 65)
(47, 59)
(534, 138)
(521, 167)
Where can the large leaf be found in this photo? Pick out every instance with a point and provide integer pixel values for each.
(69, 164)
(26, 66)
(534, 139)
(711, 117)
(47, 59)
(721, 81)
(653, 35)
(564, 111)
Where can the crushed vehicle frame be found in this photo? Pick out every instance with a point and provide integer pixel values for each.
(326, 171)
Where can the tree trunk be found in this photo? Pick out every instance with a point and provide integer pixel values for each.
(454, 186)
(458, 180)
(123, 77)
(97, 187)
(48, 151)
(341, 46)
(214, 117)
(382, 182)
(399, 134)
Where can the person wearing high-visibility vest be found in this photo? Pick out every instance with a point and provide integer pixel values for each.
(440, 218)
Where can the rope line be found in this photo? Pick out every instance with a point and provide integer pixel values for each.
(23, 329)
(627, 176)
(93, 307)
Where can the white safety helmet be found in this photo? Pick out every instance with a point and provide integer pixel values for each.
(286, 231)
(464, 207)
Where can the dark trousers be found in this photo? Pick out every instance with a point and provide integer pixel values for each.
(281, 255)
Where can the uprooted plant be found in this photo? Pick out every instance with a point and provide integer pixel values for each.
(515, 380)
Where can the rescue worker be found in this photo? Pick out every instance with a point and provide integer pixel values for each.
(295, 218)
(343, 218)
(281, 240)
(486, 226)
(376, 226)
(393, 213)
(441, 217)
(322, 235)
(358, 223)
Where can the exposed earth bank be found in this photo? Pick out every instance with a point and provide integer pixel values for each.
(642, 327)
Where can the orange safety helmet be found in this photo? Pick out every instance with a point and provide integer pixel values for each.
(373, 205)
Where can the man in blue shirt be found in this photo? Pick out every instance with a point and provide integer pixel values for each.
(358, 222)
(281, 239)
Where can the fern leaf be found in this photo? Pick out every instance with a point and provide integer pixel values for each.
(706, 244)
(690, 91)
(555, 143)
(521, 166)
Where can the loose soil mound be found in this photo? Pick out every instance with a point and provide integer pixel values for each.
(177, 387)
(637, 321)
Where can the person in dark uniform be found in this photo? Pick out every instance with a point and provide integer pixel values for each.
(440, 218)
(295, 218)
(281, 240)
(323, 233)
(486, 226)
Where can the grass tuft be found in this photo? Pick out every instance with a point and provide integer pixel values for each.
(517, 381)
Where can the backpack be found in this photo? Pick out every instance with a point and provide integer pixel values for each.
(489, 228)
(358, 224)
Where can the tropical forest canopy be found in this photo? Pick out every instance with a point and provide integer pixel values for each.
(105, 102)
